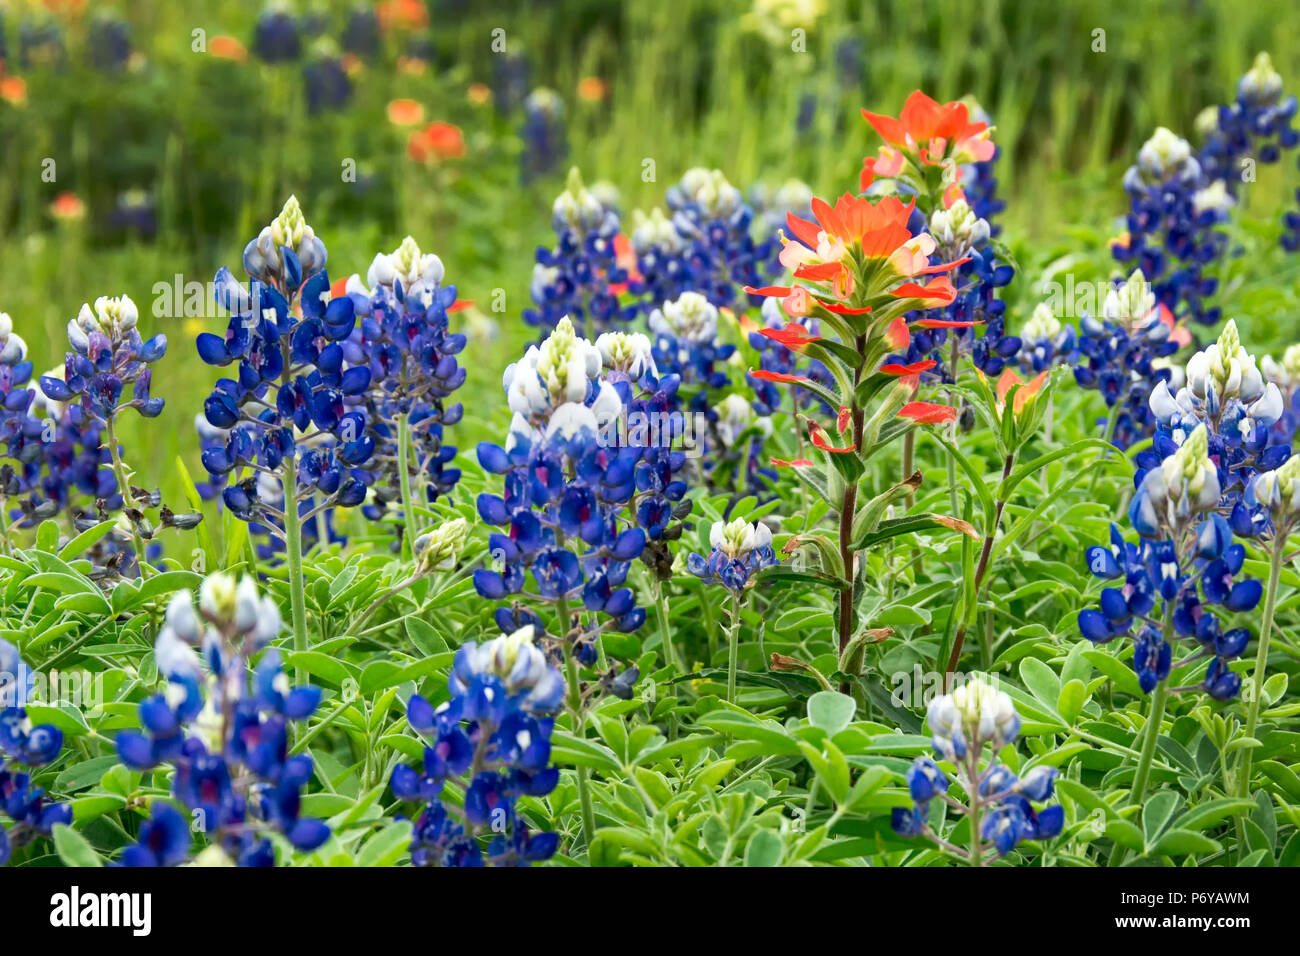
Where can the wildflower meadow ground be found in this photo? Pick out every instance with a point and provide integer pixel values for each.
(444, 436)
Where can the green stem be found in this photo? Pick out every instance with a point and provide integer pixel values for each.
(733, 647)
(1261, 668)
(128, 500)
(579, 720)
(1150, 738)
(1110, 439)
(404, 478)
(661, 604)
(293, 556)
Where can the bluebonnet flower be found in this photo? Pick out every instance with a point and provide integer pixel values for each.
(1257, 124)
(1186, 562)
(492, 741)
(23, 745)
(793, 196)
(1120, 355)
(979, 179)
(1226, 392)
(293, 411)
(570, 500)
(543, 133)
(1044, 342)
(739, 550)
(1172, 233)
(954, 234)
(223, 725)
(61, 453)
(276, 36)
(405, 340)
(135, 214)
(360, 36)
(996, 800)
(109, 44)
(582, 276)
(708, 246)
(326, 83)
(41, 43)
(108, 357)
(511, 72)
(1285, 374)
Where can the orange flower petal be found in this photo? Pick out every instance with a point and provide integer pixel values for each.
(927, 413)
(916, 368)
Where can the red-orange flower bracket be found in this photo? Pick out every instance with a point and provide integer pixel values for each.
(927, 413)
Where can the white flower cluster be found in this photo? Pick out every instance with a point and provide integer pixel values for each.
(974, 714)
(12, 347)
(518, 662)
(556, 388)
(115, 316)
(655, 231)
(1130, 302)
(227, 611)
(581, 210)
(690, 318)
(628, 353)
(1164, 157)
(1279, 490)
(710, 190)
(420, 274)
(736, 539)
(1041, 324)
(1286, 373)
(1185, 484)
(439, 549)
(1261, 84)
(957, 229)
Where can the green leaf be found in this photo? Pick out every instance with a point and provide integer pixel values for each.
(387, 846)
(1041, 681)
(1124, 833)
(1070, 703)
(1156, 814)
(1215, 811)
(831, 711)
(86, 540)
(764, 849)
(73, 848)
(1182, 842)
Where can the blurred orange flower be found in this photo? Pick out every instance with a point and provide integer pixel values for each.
(227, 48)
(411, 65)
(67, 206)
(405, 112)
(436, 141)
(479, 93)
(404, 14)
(13, 90)
(592, 89)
